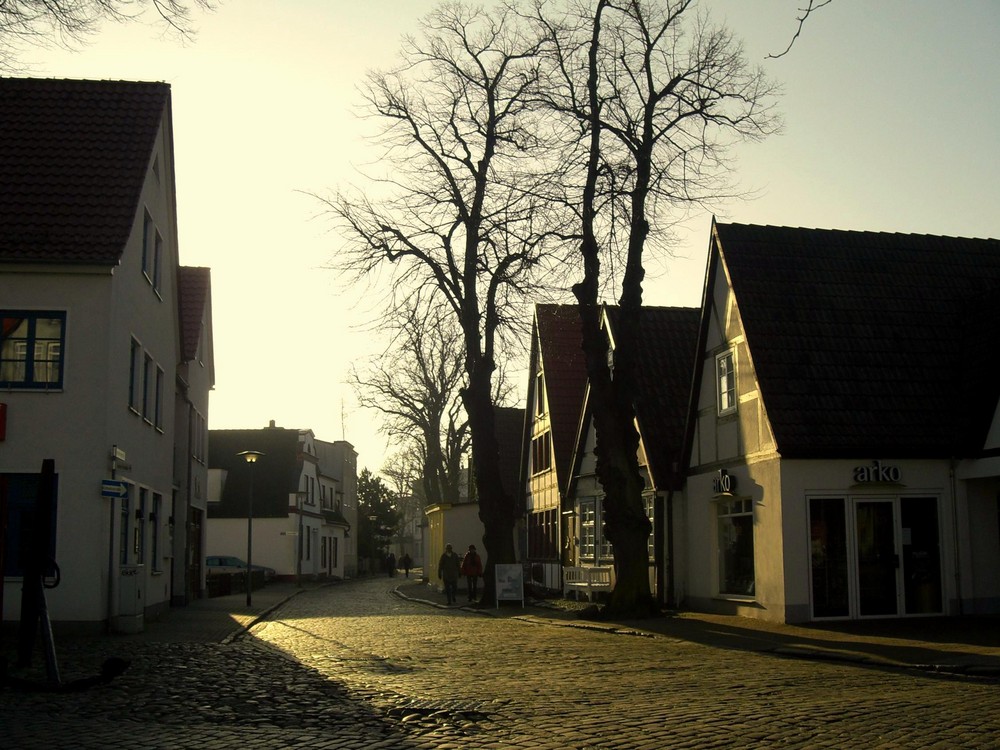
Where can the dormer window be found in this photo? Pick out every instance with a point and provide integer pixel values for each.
(725, 376)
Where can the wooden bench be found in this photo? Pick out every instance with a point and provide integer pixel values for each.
(588, 579)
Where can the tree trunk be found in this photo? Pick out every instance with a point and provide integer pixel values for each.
(496, 509)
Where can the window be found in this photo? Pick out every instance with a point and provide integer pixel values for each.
(726, 379)
(154, 521)
(541, 454)
(147, 386)
(650, 503)
(124, 527)
(134, 376)
(588, 531)
(31, 354)
(543, 535)
(333, 552)
(158, 406)
(140, 527)
(736, 568)
(152, 250)
(540, 402)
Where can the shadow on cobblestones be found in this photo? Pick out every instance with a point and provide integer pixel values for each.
(947, 645)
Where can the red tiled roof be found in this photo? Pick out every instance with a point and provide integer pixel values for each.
(668, 344)
(193, 287)
(869, 343)
(565, 370)
(73, 157)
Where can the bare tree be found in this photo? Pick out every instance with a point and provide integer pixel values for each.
(464, 207)
(415, 384)
(657, 94)
(43, 22)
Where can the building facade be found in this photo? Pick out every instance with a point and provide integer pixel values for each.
(106, 357)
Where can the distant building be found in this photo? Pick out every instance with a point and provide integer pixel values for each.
(106, 354)
(304, 491)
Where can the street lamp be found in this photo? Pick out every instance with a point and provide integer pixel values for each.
(251, 458)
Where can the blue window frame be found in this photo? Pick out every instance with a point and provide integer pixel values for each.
(31, 349)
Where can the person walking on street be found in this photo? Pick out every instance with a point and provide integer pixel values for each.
(390, 564)
(406, 562)
(448, 571)
(472, 568)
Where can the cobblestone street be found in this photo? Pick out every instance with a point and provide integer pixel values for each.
(355, 666)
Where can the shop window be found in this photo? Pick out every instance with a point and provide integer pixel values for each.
(31, 349)
(736, 548)
(828, 555)
(726, 382)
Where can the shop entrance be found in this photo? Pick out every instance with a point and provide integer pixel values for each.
(874, 557)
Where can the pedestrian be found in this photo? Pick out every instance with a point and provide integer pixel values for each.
(472, 568)
(390, 564)
(406, 562)
(448, 571)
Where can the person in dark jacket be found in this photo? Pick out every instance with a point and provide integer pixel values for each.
(472, 568)
(406, 562)
(448, 571)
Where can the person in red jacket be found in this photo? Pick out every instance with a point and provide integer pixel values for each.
(472, 568)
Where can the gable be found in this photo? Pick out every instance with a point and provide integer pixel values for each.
(73, 157)
(868, 343)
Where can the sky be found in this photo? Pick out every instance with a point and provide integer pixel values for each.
(891, 123)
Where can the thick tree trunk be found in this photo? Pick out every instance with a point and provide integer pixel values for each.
(617, 467)
(496, 508)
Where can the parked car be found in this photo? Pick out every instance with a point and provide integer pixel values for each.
(230, 564)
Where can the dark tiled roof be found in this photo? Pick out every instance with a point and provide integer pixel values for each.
(668, 344)
(869, 344)
(73, 157)
(565, 370)
(275, 475)
(193, 289)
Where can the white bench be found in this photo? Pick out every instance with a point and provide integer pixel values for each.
(589, 579)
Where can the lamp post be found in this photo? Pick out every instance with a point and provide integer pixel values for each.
(251, 458)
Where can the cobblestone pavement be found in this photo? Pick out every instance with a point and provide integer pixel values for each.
(353, 666)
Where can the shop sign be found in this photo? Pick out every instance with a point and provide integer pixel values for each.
(723, 483)
(877, 472)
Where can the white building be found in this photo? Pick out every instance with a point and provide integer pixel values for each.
(106, 353)
(299, 526)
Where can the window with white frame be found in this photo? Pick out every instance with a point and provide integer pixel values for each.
(31, 349)
(588, 531)
(152, 250)
(154, 521)
(147, 387)
(134, 375)
(605, 548)
(725, 373)
(540, 401)
(736, 548)
(650, 502)
(158, 405)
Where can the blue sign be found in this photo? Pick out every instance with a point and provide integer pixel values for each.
(113, 488)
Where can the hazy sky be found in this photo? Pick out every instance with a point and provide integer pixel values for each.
(891, 114)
